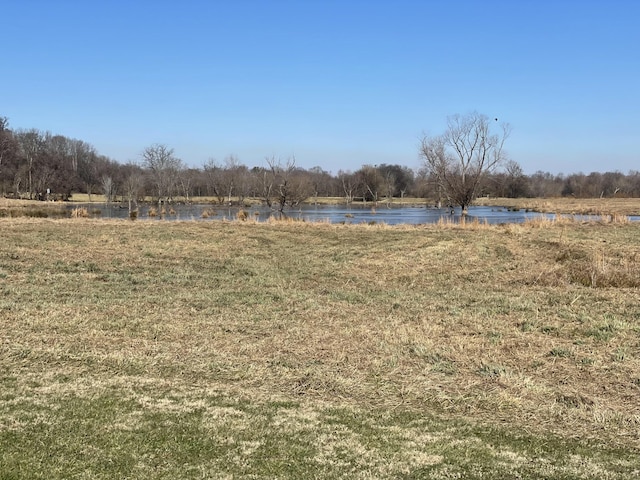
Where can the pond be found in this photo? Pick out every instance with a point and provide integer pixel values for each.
(348, 214)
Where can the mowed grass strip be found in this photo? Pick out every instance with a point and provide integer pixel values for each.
(193, 349)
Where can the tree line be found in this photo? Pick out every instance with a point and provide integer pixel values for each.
(40, 165)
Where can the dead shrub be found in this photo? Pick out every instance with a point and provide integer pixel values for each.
(619, 219)
(206, 213)
(79, 212)
(242, 215)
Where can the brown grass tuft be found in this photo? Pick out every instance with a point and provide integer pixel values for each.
(79, 212)
(207, 212)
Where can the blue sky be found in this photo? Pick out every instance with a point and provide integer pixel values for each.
(338, 84)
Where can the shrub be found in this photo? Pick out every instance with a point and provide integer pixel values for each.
(242, 215)
(79, 212)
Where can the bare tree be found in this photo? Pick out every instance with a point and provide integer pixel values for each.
(133, 186)
(108, 188)
(224, 180)
(371, 182)
(516, 181)
(322, 183)
(187, 178)
(299, 187)
(164, 168)
(241, 180)
(230, 181)
(280, 174)
(8, 150)
(213, 175)
(31, 145)
(397, 179)
(460, 158)
(287, 185)
(349, 183)
(389, 186)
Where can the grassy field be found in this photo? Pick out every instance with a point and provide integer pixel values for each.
(290, 350)
(568, 205)
(30, 208)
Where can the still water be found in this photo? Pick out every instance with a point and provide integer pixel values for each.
(348, 214)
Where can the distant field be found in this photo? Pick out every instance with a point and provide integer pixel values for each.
(286, 350)
(569, 205)
(30, 208)
(84, 198)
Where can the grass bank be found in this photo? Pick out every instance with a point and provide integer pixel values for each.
(31, 208)
(292, 350)
(568, 205)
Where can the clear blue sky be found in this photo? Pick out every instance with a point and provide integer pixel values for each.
(337, 83)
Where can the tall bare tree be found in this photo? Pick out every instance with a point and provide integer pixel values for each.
(231, 181)
(371, 182)
(108, 188)
(460, 157)
(287, 185)
(32, 146)
(133, 186)
(213, 177)
(163, 167)
(349, 183)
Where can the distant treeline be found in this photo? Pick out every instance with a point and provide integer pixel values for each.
(40, 165)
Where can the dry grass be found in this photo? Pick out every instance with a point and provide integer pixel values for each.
(242, 215)
(605, 207)
(532, 328)
(30, 208)
(79, 212)
(11, 203)
(208, 212)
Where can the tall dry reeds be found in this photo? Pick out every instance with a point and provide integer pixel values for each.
(79, 212)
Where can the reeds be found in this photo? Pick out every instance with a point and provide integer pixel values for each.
(207, 212)
(79, 212)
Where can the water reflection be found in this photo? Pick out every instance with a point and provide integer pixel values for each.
(348, 214)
